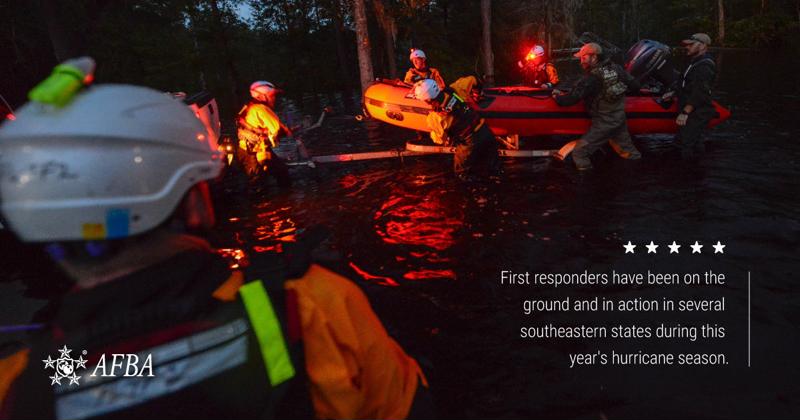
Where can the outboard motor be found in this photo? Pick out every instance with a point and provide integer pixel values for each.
(653, 59)
(205, 108)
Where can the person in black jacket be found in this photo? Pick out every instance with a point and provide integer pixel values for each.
(603, 88)
(694, 96)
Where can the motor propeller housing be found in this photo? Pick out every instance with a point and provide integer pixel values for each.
(648, 58)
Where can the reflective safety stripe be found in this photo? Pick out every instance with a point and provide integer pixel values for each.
(176, 365)
(268, 331)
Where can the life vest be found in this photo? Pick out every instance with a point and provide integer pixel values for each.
(417, 75)
(538, 75)
(251, 138)
(210, 358)
(465, 120)
(413, 76)
(613, 88)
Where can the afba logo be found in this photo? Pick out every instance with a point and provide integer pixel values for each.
(65, 366)
(125, 365)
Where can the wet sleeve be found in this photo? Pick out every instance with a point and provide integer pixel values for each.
(700, 94)
(10, 369)
(439, 123)
(464, 85)
(552, 74)
(438, 78)
(630, 81)
(356, 370)
(409, 77)
(586, 87)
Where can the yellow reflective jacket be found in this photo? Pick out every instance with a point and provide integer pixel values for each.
(440, 121)
(257, 123)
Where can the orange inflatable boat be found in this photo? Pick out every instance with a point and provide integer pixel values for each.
(522, 111)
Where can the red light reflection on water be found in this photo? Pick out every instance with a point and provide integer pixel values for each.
(430, 274)
(237, 257)
(272, 248)
(263, 232)
(348, 181)
(413, 222)
(384, 281)
(425, 227)
(275, 226)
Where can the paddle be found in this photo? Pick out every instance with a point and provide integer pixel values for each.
(565, 150)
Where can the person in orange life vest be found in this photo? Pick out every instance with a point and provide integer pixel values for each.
(280, 338)
(537, 71)
(454, 123)
(421, 71)
(259, 130)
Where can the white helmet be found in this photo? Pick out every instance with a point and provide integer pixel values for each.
(261, 90)
(415, 53)
(536, 51)
(426, 90)
(114, 162)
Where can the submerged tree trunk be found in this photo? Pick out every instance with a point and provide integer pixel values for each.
(488, 54)
(568, 11)
(191, 12)
(721, 22)
(389, 26)
(341, 51)
(362, 38)
(624, 29)
(548, 24)
(390, 51)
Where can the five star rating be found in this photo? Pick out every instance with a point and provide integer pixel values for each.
(674, 248)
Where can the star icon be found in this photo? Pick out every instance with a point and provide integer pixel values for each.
(718, 248)
(629, 247)
(49, 363)
(651, 249)
(73, 379)
(696, 247)
(55, 379)
(673, 248)
(80, 362)
(65, 352)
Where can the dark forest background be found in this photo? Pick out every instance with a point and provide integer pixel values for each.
(310, 46)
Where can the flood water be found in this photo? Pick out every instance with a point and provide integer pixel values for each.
(428, 250)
